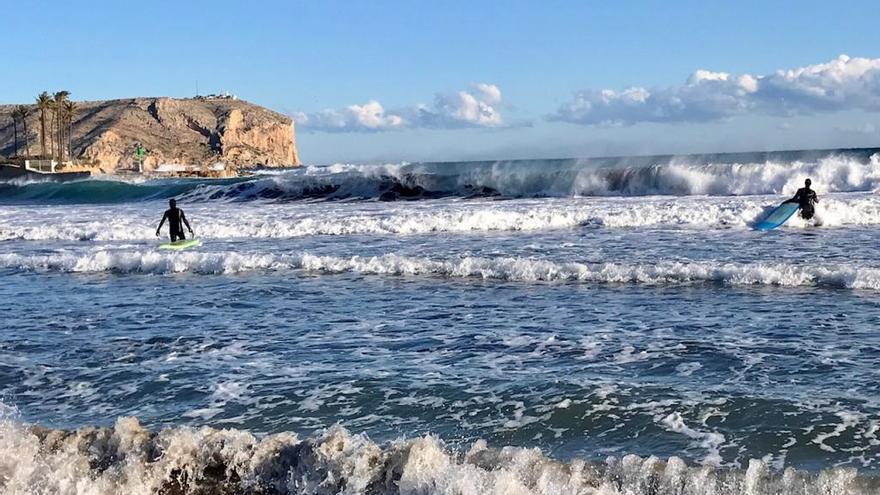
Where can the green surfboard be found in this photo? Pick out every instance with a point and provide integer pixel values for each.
(181, 245)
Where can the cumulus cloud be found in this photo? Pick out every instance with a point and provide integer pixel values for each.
(370, 116)
(490, 92)
(842, 84)
(477, 107)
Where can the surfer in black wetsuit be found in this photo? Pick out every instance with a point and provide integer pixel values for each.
(176, 221)
(806, 199)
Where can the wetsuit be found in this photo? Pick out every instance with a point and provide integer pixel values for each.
(175, 218)
(806, 199)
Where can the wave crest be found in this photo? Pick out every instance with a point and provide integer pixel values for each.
(456, 218)
(718, 175)
(467, 267)
(554, 178)
(128, 458)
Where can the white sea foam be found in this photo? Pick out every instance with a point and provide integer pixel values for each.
(288, 221)
(502, 268)
(128, 458)
(711, 441)
(829, 174)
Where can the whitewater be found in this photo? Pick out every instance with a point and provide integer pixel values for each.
(594, 326)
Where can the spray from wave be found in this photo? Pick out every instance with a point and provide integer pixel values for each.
(128, 458)
(717, 175)
(555, 178)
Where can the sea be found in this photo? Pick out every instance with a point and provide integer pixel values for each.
(563, 326)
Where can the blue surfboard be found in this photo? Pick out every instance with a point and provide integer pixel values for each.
(777, 217)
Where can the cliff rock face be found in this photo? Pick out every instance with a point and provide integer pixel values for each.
(197, 132)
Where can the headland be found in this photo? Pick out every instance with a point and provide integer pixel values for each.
(214, 136)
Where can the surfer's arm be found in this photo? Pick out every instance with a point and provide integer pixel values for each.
(795, 199)
(159, 228)
(186, 222)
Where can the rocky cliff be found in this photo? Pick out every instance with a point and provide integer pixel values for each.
(197, 132)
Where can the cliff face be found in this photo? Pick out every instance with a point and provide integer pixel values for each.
(195, 132)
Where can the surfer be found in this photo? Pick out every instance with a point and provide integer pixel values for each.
(175, 216)
(806, 199)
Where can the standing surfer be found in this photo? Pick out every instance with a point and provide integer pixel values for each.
(176, 221)
(806, 199)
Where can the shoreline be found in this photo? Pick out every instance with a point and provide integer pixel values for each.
(69, 172)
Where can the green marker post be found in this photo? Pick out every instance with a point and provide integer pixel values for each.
(139, 156)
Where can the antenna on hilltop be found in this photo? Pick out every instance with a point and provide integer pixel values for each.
(197, 87)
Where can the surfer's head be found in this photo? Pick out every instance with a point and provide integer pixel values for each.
(172, 203)
(808, 182)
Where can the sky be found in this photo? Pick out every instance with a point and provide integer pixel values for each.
(391, 81)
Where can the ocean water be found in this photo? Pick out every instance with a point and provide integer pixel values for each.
(609, 326)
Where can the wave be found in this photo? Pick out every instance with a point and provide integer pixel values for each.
(716, 175)
(128, 458)
(554, 178)
(466, 267)
(98, 191)
(455, 218)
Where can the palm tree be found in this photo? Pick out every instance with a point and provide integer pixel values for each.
(52, 129)
(15, 131)
(23, 112)
(44, 104)
(60, 97)
(70, 110)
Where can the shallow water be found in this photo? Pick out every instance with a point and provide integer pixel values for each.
(585, 327)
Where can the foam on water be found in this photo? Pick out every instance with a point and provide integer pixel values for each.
(501, 268)
(288, 221)
(128, 458)
(510, 325)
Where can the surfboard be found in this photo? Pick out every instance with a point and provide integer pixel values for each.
(181, 245)
(777, 217)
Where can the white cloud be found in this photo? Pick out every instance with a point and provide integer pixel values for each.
(368, 117)
(491, 93)
(842, 84)
(475, 108)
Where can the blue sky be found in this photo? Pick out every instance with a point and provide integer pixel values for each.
(476, 80)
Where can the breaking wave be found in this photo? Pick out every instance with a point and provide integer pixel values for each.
(555, 178)
(717, 175)
(128, 458)
(22, 223)
(466, 267)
